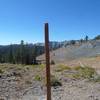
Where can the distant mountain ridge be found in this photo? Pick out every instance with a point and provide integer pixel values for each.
(65, 50)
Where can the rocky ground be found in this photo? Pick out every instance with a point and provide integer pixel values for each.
(19, 82)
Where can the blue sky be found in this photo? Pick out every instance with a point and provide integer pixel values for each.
(68, 19)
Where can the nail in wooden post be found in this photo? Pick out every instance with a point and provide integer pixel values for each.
(47, 56)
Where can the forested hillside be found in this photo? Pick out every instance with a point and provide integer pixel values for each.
(20, 53)
(24, 53)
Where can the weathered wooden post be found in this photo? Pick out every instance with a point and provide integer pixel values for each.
(47, 56)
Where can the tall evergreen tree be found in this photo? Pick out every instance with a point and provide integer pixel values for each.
(86, 38)
(22, 52)
(10, 56)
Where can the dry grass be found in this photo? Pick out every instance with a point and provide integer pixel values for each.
(86, 72)
(61, 68)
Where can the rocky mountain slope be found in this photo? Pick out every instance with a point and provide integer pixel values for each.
(72, 52)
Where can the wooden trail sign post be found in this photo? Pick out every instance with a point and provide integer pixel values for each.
(47, 56)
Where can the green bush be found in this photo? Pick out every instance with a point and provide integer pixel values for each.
(96, 78)
(55, 82)
(37, 78)
(52, 62)
(1, 71)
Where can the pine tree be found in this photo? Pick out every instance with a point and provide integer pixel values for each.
(86, 38)
(22, 52)
(10, 56)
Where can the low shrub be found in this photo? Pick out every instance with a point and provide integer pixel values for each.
(61, 68)
(37, 78)
(96, 78)
(52, 62)
(55, 81)
(1, 71)
(84, 72)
